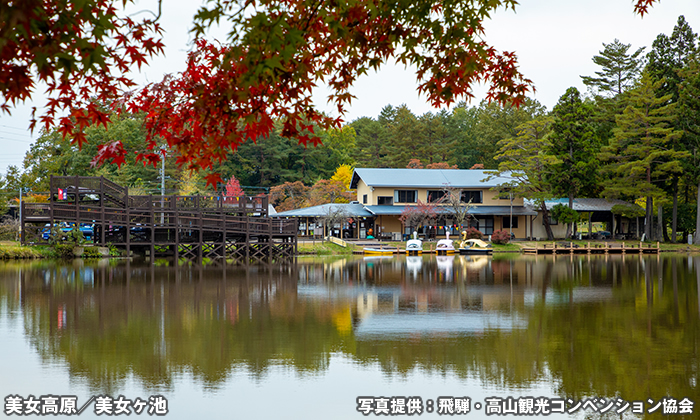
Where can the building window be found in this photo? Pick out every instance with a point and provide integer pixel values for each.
(473, 196)
(405, 196)
(385, 201)
(364, 198)
(514, 223)
(484, 224)
(435, 195)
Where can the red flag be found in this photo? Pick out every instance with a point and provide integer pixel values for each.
(61, 194)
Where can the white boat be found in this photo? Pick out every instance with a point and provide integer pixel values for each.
(414, 246)
(445, 246)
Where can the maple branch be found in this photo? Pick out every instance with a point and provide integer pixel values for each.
(157, 16)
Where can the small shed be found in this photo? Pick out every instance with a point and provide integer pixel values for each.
(600, 210)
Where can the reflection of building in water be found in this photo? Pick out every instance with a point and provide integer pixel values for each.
(367, 304)
(437, 323)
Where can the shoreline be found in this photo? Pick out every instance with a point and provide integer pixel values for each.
(12, 250)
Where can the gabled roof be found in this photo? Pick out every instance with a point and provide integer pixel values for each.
(350, 209)
(424, 178)
(588, 204)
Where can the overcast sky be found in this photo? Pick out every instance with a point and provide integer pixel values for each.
(555, 41)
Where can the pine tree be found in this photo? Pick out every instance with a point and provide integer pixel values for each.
(669, 55)
(639, 155)
(619, 69)
(522, 161)
(575, 147)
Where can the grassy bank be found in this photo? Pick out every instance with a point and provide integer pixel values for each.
(13, 250)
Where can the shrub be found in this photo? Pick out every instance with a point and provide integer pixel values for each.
(64, 250)
(92, 252)
(9, 229)
(474, 233)
(64, 242)
(500, 237)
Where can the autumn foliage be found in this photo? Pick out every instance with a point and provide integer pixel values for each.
(294, 195)
(281, 50)
(81, 50)
(233, 188)
(277, 52)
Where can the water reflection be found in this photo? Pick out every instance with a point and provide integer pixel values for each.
(596, 325)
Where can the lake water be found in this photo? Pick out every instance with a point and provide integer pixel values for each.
(305, 340)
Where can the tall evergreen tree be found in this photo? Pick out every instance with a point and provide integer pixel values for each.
(689, 116)
(668, 56)
(404, 140)
(522, 161)
(496, 122)
(575, 146)
(619, 69)
(371, 139)
(639, 155)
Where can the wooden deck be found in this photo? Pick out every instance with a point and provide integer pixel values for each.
(595, 248)
(193, 227)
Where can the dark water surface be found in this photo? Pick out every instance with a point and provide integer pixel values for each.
(304, 341)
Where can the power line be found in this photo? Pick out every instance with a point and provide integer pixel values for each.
(14, 128)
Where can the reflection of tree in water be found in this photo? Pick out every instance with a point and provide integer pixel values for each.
(604, 326)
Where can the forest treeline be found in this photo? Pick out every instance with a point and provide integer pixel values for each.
(634, 135)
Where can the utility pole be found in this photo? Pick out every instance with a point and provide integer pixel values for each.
(162, 187)
(20, 214)
(510, 224)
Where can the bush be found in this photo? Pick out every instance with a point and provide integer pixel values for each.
(500, 237)
(92, 252)
(474, 233)
(64, 242)
(9, 229)
(64, 250)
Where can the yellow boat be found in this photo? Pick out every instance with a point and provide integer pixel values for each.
(378, 251)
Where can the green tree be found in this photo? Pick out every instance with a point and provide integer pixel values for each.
(342, 144)
(575, 147)
(404, 138)
(639, 156)
(497, 122)
(619, 69)
(522, 159)
(461, 128)
(670, 54)
(371, 143)
(667, 58)
(689, 116)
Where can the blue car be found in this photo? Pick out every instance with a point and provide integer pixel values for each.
(86, 229)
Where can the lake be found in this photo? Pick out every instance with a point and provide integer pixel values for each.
(575, 336)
